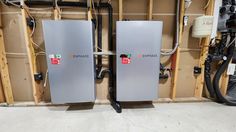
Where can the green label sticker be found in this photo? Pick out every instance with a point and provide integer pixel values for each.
(58, 55)
(128, 55)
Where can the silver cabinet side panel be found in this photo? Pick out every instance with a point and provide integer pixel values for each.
(72, 80)
(141, 40)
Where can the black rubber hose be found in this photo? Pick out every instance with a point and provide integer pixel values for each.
(220, 71)
(207, 70)
(207, 76)
(99, 40)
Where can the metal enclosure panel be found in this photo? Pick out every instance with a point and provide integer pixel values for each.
(73, 79)
(138, 77)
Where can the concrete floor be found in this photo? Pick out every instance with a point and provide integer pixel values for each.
(173, 117)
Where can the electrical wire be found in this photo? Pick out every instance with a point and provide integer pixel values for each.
(208, 2)
(36, 45)
(45, 80)
(233, 41)
(58, 9)
(101, 49)
(168, 53)
(12, 3)
(33, 29)
(94, 10)
(218, 75)
(214, 88)
(33, 21)
(187, 3)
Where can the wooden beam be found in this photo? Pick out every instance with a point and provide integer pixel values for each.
(6, 83)
(176, 56)
(2, 98)
(203, 55)
(5, 88)
(120, 10)
(37, 93)
(107, 102)
(150, 9)
(224, 81)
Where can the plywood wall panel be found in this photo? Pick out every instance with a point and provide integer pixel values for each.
(135, 6)
(186, 79)
(164, 6)
(168, 30)
(197, 7)
(18, 64)
(13, 34)
(19, 75)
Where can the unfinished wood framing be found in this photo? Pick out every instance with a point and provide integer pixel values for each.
(99, 102)
(203, 55)
(31, 57)
(5, 83)
(2, 98)
(133, 10)
(120, 10)
(176, 56)
(150, 9)
(5, 79)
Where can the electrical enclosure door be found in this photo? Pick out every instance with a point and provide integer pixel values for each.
(69, 48)
(138, 60)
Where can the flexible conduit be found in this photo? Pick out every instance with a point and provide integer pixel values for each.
(219, 73)
(214, 89)
(167, 53)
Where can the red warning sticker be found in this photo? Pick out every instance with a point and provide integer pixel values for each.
(55, 61)
(125, 60)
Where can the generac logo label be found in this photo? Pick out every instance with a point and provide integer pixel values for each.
(149, 55)
(74, 56)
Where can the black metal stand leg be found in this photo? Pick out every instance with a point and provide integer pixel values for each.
(116, 105)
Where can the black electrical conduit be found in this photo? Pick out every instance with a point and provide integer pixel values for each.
(112, 89)
(207, 77)
(219, 73)
(214, 90)
(207, 71)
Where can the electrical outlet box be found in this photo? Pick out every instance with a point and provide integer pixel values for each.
(70, 60)
(138, 60)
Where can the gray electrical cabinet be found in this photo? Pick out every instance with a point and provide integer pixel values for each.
(69, 51)
(138, 60)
